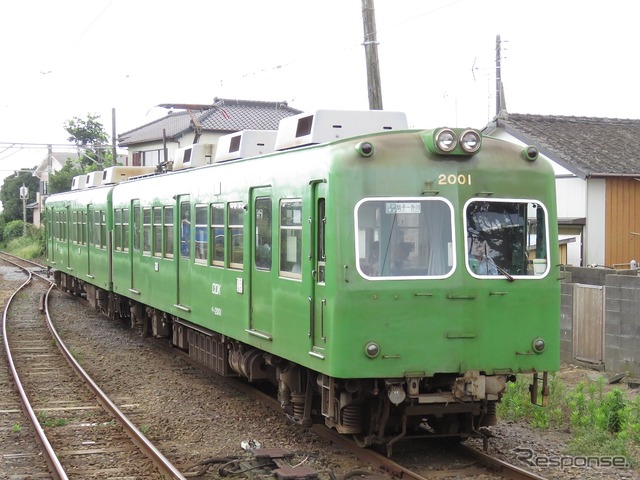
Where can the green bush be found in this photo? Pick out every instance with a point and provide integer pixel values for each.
(600, 422)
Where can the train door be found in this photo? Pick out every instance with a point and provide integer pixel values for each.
(134, 242)
(183, 255)
(50, 230)
(317, 299)
(67, 233)
(261, 262)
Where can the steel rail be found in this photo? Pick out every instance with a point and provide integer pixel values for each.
(143, 443)
(149, 449)
(50, 455)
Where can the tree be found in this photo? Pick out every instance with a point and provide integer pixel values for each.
(91, 139)
(60, 181)
(10, 195)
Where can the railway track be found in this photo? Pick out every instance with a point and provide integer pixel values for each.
(82, 432)
(469, 463)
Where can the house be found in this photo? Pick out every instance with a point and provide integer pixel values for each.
(158, 142)
(597, 180)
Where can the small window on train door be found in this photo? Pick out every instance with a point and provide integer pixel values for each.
(202, 236)
(235, 242)
(291, 238)
(217, 234)
(156, 231)
(146, 231)
(117, 229)
(321, 254)
(262, 244)
(136, 228)
(185, 229)
(167, 232)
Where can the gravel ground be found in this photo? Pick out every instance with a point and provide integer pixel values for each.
(194, 416)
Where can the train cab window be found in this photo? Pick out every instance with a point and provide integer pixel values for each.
(217, 233)
(146, 230)
(404, 238)
(167, 232)
(506, 238)
(236, 225)
(202, 234)
(185, 229)
(263, 243)
(156, 231)
(291, 238)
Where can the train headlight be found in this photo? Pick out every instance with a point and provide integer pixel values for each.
(372, 349)
(538, 345)
(396, 394)
(446, 140)
(470, 141)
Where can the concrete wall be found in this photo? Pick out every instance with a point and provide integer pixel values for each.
(621, 321)
(622, 324)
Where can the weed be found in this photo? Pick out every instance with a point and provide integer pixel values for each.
(17, 428)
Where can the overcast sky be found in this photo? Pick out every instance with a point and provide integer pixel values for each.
(68, 58)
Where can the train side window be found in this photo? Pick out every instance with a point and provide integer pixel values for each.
(167, 232)
(291, 238)
(146, 230)
(202, 229)
(156, 231)
(262, 244)
(185, 229)
(217, 233)
(236, 225)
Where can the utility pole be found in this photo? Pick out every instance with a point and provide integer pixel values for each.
(498, 77)
(371, 52)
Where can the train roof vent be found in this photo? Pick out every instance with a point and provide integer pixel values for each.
(77, 183)
(247, 143)
(327, 125)
(195, 155)
(118, 173)
(93, 179)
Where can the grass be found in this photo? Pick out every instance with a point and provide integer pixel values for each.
(600, 422)
(47, 421)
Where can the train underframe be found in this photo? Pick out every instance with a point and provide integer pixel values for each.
(377, 412)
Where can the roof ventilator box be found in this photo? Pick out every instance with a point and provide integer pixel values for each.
(328, 125)
(93, 179)
(248, 143)
(195, 155)
(117, 173)
(77, 183)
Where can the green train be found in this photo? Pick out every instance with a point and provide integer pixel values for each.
(389, 281)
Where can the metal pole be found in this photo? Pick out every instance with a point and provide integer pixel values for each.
(371, 52)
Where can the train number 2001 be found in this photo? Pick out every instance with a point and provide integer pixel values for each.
(452, 179)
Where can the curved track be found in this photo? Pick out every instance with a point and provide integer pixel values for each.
(82, 432)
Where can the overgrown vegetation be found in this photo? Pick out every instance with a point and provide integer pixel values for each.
(31, 245)
(601, 422)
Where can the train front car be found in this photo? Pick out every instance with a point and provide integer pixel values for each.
(448, 283)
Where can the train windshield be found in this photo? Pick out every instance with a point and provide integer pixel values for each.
(506, 238)
(404, 238)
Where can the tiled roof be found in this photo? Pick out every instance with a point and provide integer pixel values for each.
(586, 146)
(224, 116)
